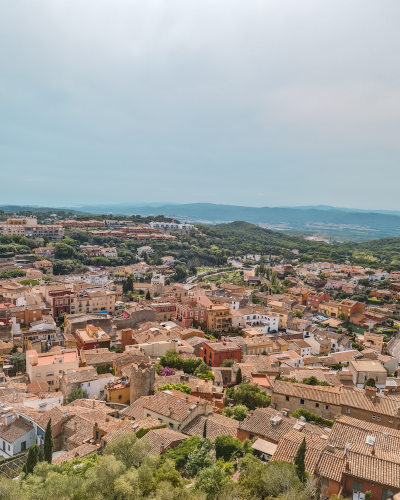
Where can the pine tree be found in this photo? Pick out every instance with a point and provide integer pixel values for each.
(318, 490)
(299, 461)
(239, 377)
(48, 444)
(205, 430)
(32, 459)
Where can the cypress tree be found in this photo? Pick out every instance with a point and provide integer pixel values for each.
(318, 490)
(299, 461)
(148, 296)
(239, 377)
(32, 459)
(205, 430)
(48, 444)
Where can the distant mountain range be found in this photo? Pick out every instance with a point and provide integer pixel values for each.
(320, 221)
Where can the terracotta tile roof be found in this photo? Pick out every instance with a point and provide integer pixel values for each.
(82, 374)
(42, 418)
(345, 356)
(261, 363)
(128, 358)
(128, 426)
(217, 425)
(89, 405)
(80, 451)
(173, 404)
(351, 430)
(221, 346)
(328, 395)
(311, 360)
(331, 465)
(260, 422)
(15, 430)
(36, 387)
(383, 468)
(356, 398)
(92, 359)
(135, 410)
(289, 444)
(163, 437)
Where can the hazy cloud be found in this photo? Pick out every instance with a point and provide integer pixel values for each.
(200, 101)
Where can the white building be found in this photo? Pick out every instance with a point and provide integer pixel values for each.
(268, 323)
(148, 250)
(16, 435)
(170, 225)
(157, 279)
(96, 386)
(109, 253)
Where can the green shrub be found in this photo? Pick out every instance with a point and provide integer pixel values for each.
(312, 417)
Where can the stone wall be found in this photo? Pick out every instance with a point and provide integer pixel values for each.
(98, 321)
(141, 380)
(6, 333)
(279, 401)
(135, 318)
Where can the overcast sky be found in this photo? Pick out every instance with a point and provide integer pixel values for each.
(260, 102)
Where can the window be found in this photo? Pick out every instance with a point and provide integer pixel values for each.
(379, 419)
(49, 374)
(386, 494)
(50, 382)
(38, 375)
(23, 445)
(390, 421)
(316, 405)
(373, 417)
(59, 371)
(347, 410)
(301, 401)
(326, 407)
(287, 398)
(357, 485)
(171, 425)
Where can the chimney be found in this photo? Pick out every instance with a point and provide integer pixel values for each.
(370, 391)
(9, 419)
(107, 419)
(93, 403)
(347, 466)
(75, 426)
(161, 448)
(385, 392)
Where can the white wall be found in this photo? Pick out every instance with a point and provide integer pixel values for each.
(15, 446)
(94, 387)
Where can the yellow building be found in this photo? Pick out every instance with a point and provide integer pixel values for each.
(219, 318)
(96, 300)
(283, 314)
(299, 293)
(346, 307)
(118, 392)
(259, 344)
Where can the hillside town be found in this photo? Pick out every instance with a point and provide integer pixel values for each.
(269, 350)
